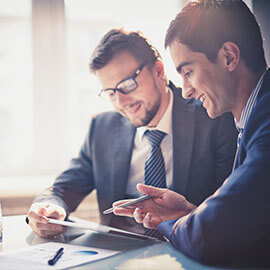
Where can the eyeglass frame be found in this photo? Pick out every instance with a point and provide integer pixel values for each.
(133, 77)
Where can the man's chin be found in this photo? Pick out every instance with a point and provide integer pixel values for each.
(213, 114)
(137, 122)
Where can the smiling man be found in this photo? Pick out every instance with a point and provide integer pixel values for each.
(208, 81)
(193, 157)
(217, 48)
(147, 105)
(201, 79)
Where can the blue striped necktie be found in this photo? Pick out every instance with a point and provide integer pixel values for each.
(154, 170)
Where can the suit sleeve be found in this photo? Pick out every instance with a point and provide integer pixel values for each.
(70, 188)
(233, 224)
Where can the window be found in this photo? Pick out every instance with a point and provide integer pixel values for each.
(87, 22)
(16, 92)
(47, 96)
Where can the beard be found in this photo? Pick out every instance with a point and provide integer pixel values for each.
(149, 114)
(150, 110)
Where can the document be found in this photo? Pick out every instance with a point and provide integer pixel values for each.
(37, 257)
(88, 225)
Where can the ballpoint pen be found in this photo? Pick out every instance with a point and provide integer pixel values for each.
(140, 199)
(56, 257)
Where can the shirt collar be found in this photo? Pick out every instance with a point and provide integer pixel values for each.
(240, 125)
(165, 123)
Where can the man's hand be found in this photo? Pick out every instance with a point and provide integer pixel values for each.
(164, 205)
(38, 221)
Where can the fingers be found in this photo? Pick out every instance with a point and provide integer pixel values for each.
(46, 230)
(35, 217)
(144, 218)
(150, 190)
(127, 211)
(41, 227)
(138, 215)
(124, 212)
(117, 203)
(149, 223)
(38, 220)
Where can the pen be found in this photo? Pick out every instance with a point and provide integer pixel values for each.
(56, 257)
(140, 199)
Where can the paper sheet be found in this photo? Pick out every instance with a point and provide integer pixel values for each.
(36, 257)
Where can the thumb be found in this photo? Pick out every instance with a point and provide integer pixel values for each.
(150, 190)
(43, 211)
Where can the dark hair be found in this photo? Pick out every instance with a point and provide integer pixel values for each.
(119, 40)
(205, 25)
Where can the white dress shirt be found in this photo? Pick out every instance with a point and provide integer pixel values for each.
(142, 148)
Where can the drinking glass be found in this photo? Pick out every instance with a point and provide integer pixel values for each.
(1, 229)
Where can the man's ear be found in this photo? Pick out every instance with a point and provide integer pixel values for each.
(230, 55)
(158, 69)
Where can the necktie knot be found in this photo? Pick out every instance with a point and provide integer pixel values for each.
(154, 137)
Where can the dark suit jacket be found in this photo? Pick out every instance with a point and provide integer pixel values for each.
(233, 226)
(203, 153)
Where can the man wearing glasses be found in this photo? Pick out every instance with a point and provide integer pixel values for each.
(193, 156)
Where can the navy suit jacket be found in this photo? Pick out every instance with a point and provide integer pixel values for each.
(233, 226)
(203, 153)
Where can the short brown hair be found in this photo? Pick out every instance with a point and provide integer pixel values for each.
(205, 25)
(118, 40)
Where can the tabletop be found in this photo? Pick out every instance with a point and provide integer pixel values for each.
(17, 234)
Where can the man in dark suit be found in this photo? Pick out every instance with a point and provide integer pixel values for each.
(198, 151)
(227, 71)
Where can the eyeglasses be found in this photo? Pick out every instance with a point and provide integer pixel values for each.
(125, 86)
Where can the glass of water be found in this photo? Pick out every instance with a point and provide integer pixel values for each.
(1, 229)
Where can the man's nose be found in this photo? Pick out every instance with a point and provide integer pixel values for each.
(120, 99)
(188, 90)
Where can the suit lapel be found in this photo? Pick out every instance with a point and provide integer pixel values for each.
(122, 151)
(183, 125)
(241, 151)
(265, 85)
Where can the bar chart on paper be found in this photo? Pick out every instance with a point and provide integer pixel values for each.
(37, 257)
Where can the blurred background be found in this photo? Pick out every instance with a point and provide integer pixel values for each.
(47, 95)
